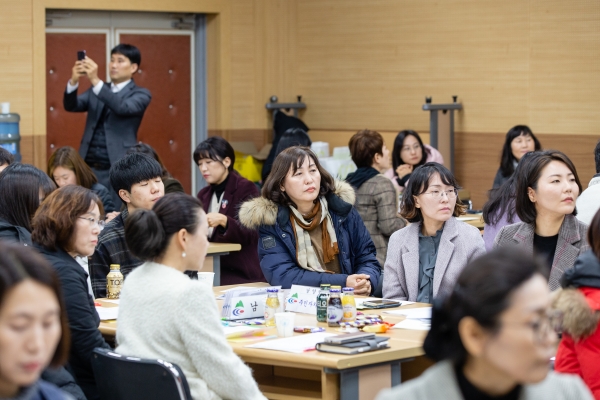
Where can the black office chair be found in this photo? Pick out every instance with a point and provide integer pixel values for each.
(120, 377)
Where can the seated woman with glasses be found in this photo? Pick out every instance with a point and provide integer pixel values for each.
(67, 225)
(425, 258)
(409, 153)
(493, 337)
(579, 348)
(547, 188)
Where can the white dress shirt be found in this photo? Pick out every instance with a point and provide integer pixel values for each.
(96, 89)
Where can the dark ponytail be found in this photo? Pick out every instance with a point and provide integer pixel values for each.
(147, 232)
(482, 292)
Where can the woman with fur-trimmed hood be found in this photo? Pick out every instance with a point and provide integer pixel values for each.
(579, 301)
(310, 233)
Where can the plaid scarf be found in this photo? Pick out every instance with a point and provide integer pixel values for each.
(305, 253)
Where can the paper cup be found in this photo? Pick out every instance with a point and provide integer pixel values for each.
(207, 278)
(285, 324)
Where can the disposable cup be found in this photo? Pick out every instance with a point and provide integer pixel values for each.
(208, 278)
(285, 324)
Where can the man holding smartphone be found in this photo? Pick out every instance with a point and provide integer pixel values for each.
(115, 109)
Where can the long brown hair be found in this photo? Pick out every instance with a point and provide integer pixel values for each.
(293, 158)
(68, 157)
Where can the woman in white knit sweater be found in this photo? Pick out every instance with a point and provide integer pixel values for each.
(164, 314)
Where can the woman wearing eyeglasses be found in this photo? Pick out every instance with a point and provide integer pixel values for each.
(579, 348)
(425, 258)
(409, 153)
(493, 337)
(65, 226)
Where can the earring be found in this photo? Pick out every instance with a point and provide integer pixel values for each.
(183, 254)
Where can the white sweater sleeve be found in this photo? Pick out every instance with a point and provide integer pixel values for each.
(214, 359)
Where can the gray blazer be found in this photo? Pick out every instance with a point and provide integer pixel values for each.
(439, 382)
(126, 109)
(459, 244)
(377, 204)
(571, 243)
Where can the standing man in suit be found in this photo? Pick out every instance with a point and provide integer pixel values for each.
(115, 110)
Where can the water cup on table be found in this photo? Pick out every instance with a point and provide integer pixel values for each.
(208, 278)
(285, 324)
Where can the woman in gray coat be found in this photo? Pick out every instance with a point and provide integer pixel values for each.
(547, 188)
(425, 258)
(493, 337)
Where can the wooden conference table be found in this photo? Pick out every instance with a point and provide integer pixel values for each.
(316, 375)
(213, 258)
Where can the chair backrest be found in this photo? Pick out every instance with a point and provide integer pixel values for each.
(120, 377)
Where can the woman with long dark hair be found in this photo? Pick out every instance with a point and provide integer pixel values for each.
(409, 152)
(519, 141)
(546, 190)
(22, 188)
(493, 336)
(66, 167)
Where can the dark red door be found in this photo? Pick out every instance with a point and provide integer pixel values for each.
(165, 70)
(66, 128)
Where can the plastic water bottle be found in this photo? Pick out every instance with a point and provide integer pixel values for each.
(271, 306)
(334, 308)
(349, 305)
(10, 138)
(114, 282)
(322, 300)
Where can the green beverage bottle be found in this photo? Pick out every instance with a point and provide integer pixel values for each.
(322, 300)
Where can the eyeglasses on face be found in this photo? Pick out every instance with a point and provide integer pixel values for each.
(416, 147)
(95, 222)
(549, 323)
(437, 194)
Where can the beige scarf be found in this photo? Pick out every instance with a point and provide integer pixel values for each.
(305, 253)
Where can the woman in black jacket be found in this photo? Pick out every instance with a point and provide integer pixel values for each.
(22, 189)
(67, 225)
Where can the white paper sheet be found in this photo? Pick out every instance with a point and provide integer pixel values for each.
(233, 331)
(413, 313)
(106, 313)
(413, 324)
(294, 344)
(467, 218)
(112, 301)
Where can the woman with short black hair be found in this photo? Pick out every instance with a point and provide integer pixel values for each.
(425, 258)
(492, 337)
(546, 190)
(310, 233)
(222, 198)
(519, 141)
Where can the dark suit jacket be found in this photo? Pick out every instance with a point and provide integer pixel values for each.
(82, 315)
(126, 109)
(571, 243)
(239, 266)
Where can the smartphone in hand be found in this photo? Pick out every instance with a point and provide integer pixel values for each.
(81, 55)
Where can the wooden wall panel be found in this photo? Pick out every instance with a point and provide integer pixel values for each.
(478, 158)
